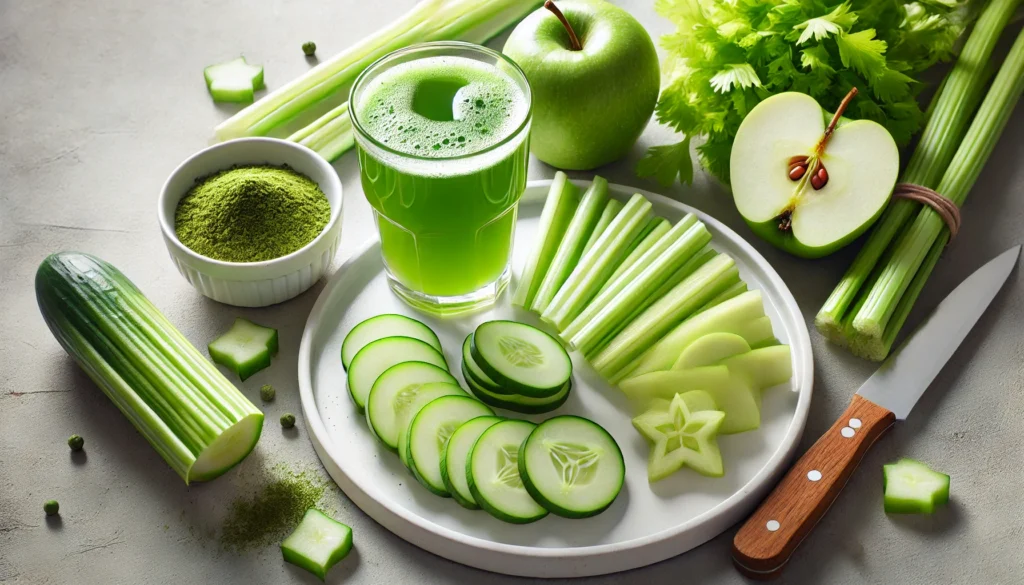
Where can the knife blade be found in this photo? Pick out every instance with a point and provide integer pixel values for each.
(906, 374)
(766, 541)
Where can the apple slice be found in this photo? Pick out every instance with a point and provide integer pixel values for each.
(806, 184)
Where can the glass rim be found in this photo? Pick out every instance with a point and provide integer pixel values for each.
(362, 132)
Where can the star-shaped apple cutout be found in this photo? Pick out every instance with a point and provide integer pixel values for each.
(678, 437)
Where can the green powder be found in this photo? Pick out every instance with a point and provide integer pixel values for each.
(251, 213)
(273, 512)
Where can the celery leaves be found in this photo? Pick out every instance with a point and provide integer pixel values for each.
(725, 57)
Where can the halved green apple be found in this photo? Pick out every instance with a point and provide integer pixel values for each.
(808, 181)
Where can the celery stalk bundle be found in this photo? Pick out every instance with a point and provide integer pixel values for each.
(869, 306)
(321, 94)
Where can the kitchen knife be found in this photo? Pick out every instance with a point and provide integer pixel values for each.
(771, 535)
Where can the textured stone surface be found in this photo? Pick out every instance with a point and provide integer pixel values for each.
(102, 99)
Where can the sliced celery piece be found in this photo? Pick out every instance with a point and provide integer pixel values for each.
(911, 487)
(596, 265)
(233, 81)
(729, 293)
(554, 220)
(620, 297)
(246, 348)
(711, 349)
(655, 228)
(611, 209)
(730, 317)
(318, 543)
(709, 280)
(678, 437)
(571, 247)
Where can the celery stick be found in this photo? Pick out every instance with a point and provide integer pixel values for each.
(649, 250)
(915, 248)
(729, 293)
(703, 285)
(691, 266)
(726, 317)
(571, 248)
(616, 303)
(655, 228)
(611, 209)
(554, 220)
(596, 265)
(330, 136)
(952, 110)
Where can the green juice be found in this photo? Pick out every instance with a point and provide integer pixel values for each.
(444, 165)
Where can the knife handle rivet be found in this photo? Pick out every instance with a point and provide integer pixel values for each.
(855, 423)
(848, 432)
(772, 525)
(814, 475)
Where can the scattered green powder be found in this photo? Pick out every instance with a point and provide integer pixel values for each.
(273, 512)
(251, 214)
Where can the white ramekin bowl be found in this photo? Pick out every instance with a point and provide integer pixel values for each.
(253, 284)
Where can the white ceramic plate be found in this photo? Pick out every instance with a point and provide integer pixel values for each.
(646, 524)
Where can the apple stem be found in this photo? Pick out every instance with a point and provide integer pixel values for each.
(573, 39)
(835, 117)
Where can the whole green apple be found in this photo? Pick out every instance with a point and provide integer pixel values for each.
(807, 181)
(595, 79)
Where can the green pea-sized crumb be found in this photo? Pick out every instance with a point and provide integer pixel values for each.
(267, 393)
(287, 420)
(76, 442)
(51, 508)
(309, 48)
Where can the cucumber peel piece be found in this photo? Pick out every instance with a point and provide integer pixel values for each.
(233, 81)
(911, 487)
(318, 543)
(245, 349)
(680, 436)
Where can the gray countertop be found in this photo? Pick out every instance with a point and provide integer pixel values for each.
(100, 100)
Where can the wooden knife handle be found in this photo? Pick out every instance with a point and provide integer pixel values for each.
(769, 537)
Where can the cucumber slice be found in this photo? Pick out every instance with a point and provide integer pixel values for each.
(378, 356)
(453, 460)
(429, 432)
(521, 358)
(245, 349)
(517, 402)
(318, 543)
(680, 436)
(911, 487)
(401, 389)
(470, 366)
(711, 349)
(764, 367)
(572, 467)
(382, 326)
(233, 81)
(492, 471)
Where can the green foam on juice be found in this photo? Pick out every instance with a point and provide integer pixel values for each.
(442, 107)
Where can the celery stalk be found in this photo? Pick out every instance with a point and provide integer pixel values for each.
(703, 285)
(730, 316)
(951, 112)
(319, 89)
(915, 248)
(554, 220)
(691, 266)
(616, 303)
(611, 209)
(598, 263)
(571, 248)
(655, 228)
(729, 293)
